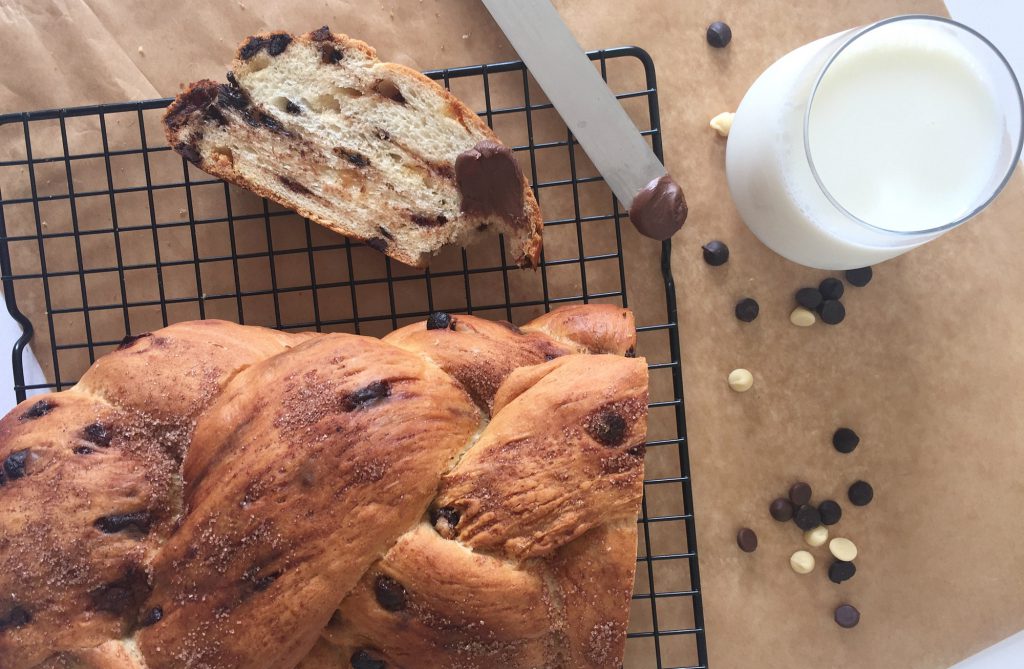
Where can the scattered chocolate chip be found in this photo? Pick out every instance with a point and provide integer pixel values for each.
(17, 617)
(367, 396)
(382, 134)
(97, 433)
(330, 54)
(659, 209)
(807, 517)
(82, 450)
(831, 288)
(719, 34)
(390, 593)
(716, 253)
(800, 493)
(429, 221)
(747, 309)
(746, 539)
(809, 298)
(38, 410)
(385, 232)
(321, 34)
(847, 616)
(389, 89)
(274, 45)
(137, 520)
(291, 107)
(608, 428)
(781, 509)
(293, 185)
(840, 571)
(861, 493)
(491, 181)
(152, 617)
(14, 464)
(445, 520)
(440, 320)
(640, 450)
(832, 312)
(131, 340)
(231, 96)
(830, 512)
(362, 659)
(859, 277)
(845, 440)
(189, 153)
(123, 595)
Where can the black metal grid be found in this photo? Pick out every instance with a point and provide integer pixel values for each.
(90, 252)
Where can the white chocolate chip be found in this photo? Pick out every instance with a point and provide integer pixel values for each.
(802, 562)
(802, 317)
(843, 549)
(740, 380)
(722, 123)
(816, 537)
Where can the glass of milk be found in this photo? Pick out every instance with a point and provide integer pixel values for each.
(865, 144)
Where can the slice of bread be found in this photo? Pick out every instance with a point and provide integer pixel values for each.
(372, 150)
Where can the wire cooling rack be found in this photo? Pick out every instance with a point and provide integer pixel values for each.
(105, 232)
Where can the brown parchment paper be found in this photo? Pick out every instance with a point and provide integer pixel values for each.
(926, 366)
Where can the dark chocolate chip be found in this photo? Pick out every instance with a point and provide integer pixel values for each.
(14, 464)
(385, 232)
(378, 244)
(845, 440)
(659, 209)
(269, 122)
(353, 157)
(807, 517)
(330, 54)
(840, 571)
(382, 134)
(362, 659)
(847, 616)
(781, 509)
(38, 410)
(746, 539)
(82, 450)
(321, 34)
(230, 95)
(123, 595)
(274, 45)
(390, 593)
(448, 517)
(830, 512)
(831, 288)
(716, 253)
(491, 181)
(630, 352)
(639, 450)
(131, 340)
(152, 617)
(809, 298)
(189, 153)
(118, 522)
(291, 107)
(747, 309)
(859, 277)
(800, 493)
(440, 320)
(832, 312)
(429, 221)
(608, 428)
(719, 34)
(861, 493)
(293, 185)
(17, 617)
(367, 396)
(97, 433)
(261, 583)
(389, 89)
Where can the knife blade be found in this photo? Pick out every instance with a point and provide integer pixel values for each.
(595, 117)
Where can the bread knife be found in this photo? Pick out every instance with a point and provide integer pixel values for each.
(590, 110)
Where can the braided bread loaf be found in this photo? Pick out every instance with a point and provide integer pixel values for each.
(460, 494)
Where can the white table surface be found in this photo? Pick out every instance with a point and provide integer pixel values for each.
(999, 20)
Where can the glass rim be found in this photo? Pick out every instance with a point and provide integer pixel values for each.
(849, 39)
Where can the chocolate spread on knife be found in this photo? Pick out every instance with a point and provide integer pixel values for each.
(490, 181)
(659, 209)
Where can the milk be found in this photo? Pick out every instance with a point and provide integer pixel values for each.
(905, 131)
